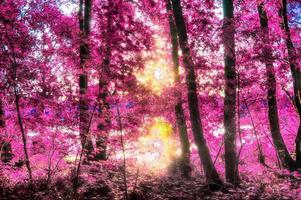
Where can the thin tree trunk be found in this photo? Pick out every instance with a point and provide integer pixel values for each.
(230, 94)
(2, 121)
(261, 157)
(24, 139)
(296, 74)
(78, 167)
(298, 144)
(210, 170)
(84, 25)
(278, 141)
(179, 112)
(238, 121)
(17, 98)
(104, 106)
(5, 147)
(2, 130)
(123, 152)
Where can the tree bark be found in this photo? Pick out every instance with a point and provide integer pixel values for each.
(209, 168)
(84, 25)
(261, 156)
(104, 106)
(179, 112)
(24, 139)
(5, 147)
(2, 121)
(17, 99)
(101, 140)
(230, 94)
(296, 74)
(286, 159)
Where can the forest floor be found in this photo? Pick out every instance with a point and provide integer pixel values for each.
(108, 184)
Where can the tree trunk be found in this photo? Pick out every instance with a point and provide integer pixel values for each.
(298, 144)
(296, 74)
(101, 140)
(104, 106)
(282, 151)
(209, 169)
(179, 112)
(230, 94)
(5, 147)
(17, 98)
(2, 121)
(84, 25)
(27, 162)
(261, 156)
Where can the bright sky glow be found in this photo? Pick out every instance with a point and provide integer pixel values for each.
(155, 150)
(156, 74)
(68, 7)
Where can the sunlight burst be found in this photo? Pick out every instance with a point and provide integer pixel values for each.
(157, 150)
(157, 73)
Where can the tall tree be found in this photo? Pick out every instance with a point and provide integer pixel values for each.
(84, 25)
(14, 53)
(296, 75)
(104, 107)
(230, 94)
(20, 121)
(179, 112)
(267, 58)
(197, 129)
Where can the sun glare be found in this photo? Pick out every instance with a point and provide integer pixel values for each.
(157, 73)
(157, 149)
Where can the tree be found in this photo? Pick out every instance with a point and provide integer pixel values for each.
(84, 26)
(122, 36)
(267, 58)
(179, 111)
(103, 83)
(17, 42)
(203, 151)
(5, 146)
(296, 75)
(230, 94)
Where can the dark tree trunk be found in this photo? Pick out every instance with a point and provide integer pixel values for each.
(267, 58)
(104, 113)
(296, 74)
(2, 120)
(24, 139)
(84, 25)
(261, 156)
(5, 147)
(230, 94)
(179, 112)
(209, 168)
(104, 107)
(298, 143)
(17, 99)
